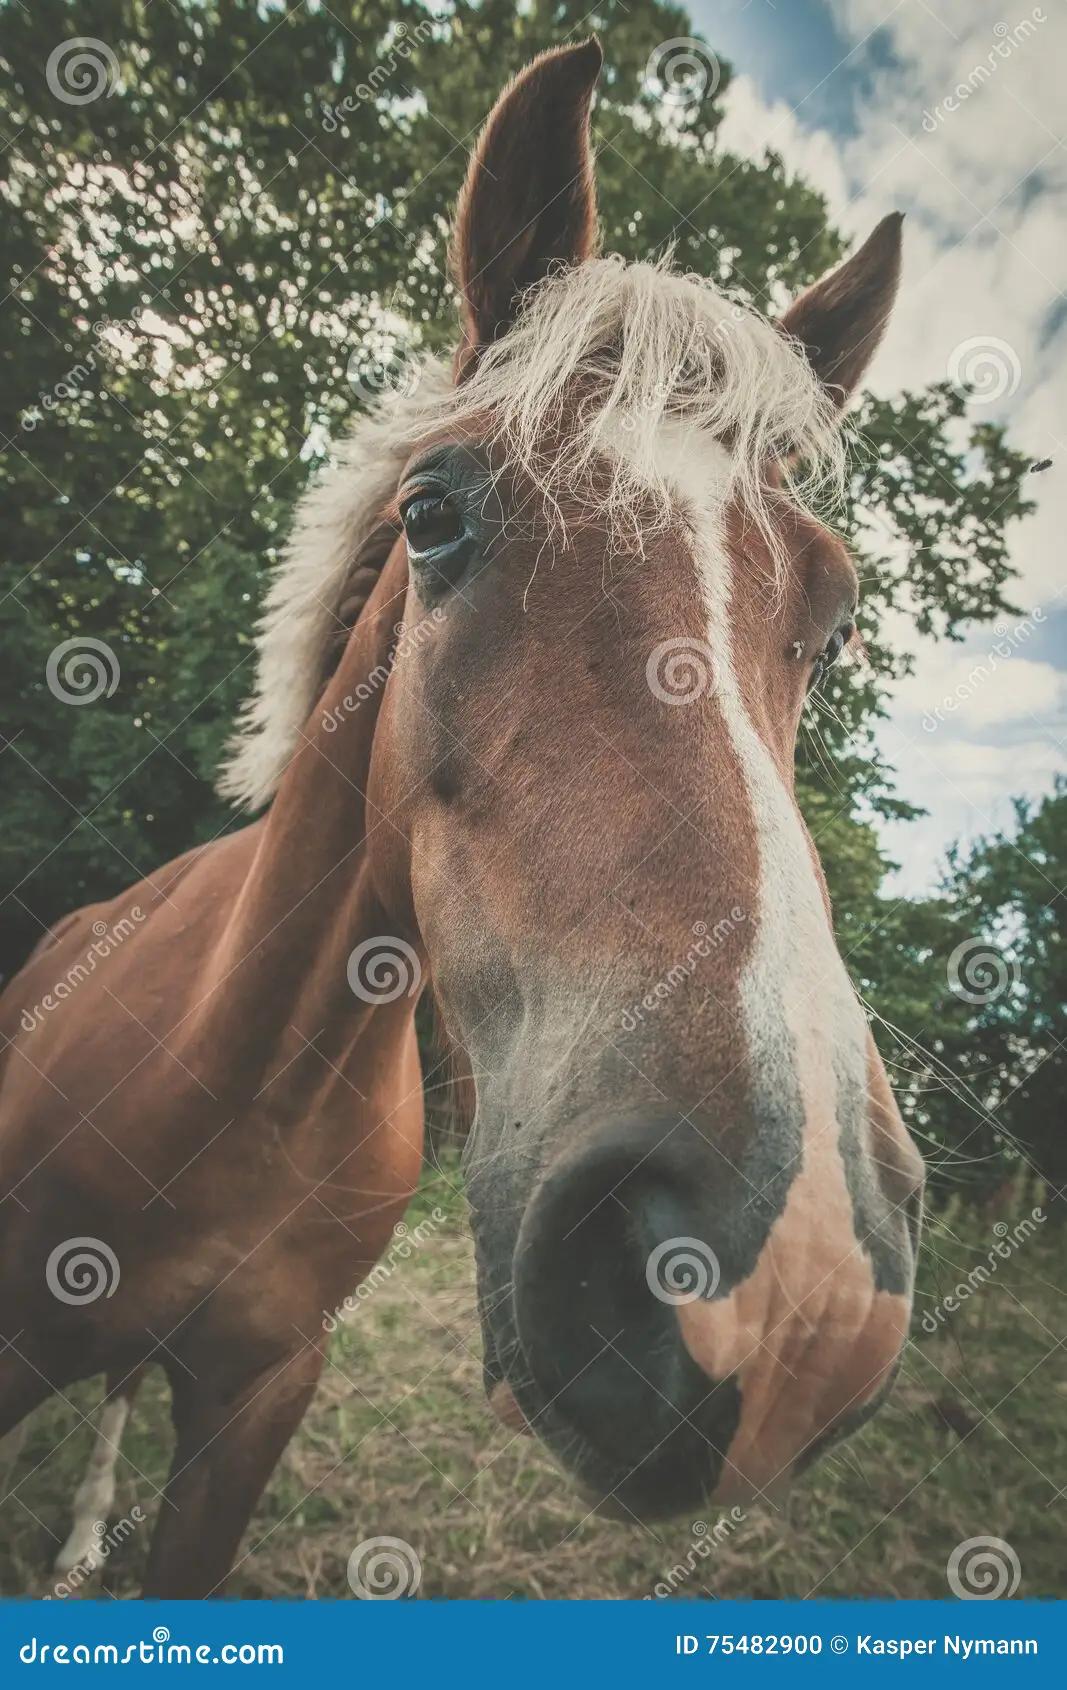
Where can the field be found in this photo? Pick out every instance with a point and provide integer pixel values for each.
(399, 1443)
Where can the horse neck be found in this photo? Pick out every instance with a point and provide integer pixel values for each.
(280, 969)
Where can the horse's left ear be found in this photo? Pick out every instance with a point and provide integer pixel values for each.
(529, 202)
(840, 320)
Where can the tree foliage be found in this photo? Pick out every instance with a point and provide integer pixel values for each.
(210, 267)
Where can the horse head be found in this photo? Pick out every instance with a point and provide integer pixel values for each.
(694, 1202)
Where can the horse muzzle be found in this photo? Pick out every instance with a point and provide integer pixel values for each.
(675, 1346)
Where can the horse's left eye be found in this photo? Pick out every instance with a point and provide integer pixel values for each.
(431, 521)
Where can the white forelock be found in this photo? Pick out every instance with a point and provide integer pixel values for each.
(602, 350)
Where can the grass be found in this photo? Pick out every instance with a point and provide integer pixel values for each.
(399, 1443)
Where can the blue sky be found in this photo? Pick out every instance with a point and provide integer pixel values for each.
(791, 51)
(951, 111)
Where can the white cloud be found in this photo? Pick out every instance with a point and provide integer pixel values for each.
(967, 787)
(980, 690)
(984, 187)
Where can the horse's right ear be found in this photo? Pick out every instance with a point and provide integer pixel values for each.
(529, 202)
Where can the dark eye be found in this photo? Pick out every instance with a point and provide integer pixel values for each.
(831, 651)
(838, 642)
(431, 521)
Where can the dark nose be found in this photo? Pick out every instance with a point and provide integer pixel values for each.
(609, 1245)
(688, 1335)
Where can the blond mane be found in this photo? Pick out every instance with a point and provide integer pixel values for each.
(604, 351)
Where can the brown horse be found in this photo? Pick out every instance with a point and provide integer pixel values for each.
(562, 792)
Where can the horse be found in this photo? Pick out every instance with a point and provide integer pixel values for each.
(529, 684)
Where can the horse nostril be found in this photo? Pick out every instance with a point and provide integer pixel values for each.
(604, 1349)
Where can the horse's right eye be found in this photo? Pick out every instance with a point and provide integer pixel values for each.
(431, 521)
(830, 653)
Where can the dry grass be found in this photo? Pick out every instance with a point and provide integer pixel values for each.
(399, 1443)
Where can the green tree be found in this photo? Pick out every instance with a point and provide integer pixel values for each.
(211, 264)
(1009, 897)
(971, 990)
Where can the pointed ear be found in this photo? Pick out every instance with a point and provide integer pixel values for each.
(529, 202)
(840, 320)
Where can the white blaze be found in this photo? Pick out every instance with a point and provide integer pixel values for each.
(800, 1009)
